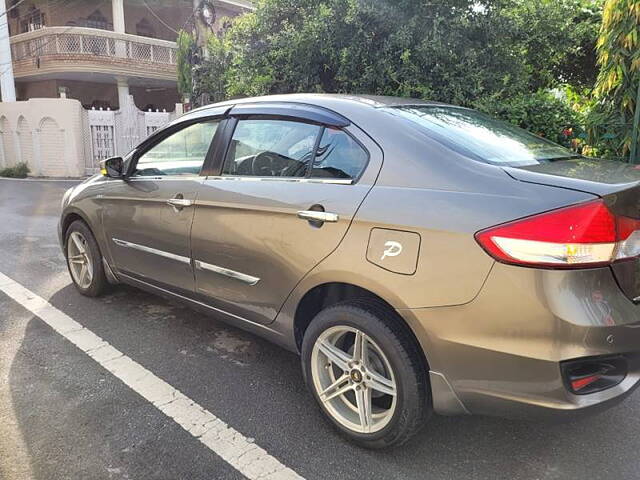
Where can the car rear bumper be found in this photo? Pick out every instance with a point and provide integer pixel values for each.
(500, 354)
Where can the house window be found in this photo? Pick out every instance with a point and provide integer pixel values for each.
(14, 12)
(97, 20)
(144, 29)
(33, 20)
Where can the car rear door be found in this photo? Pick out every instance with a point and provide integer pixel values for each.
(147, 216)
(265, 216)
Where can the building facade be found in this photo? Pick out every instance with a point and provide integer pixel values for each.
(101, 51)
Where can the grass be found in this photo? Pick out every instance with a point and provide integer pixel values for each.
(20, 170)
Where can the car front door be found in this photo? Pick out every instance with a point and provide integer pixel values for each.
(147, 216)
(281, 202)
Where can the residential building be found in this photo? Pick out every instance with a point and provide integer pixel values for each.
(101, 51)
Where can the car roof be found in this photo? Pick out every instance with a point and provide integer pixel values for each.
(327, 100)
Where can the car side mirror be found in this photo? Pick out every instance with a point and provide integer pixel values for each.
(112, 167)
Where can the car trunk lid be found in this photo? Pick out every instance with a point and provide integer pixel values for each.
(600, 177)
(616, 182)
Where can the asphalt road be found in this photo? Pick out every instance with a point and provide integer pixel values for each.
(63, 416)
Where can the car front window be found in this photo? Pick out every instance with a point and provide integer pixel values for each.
(182, 153)
(492, 140)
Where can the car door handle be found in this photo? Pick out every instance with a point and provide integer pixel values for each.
(314, 216)
(179, 202)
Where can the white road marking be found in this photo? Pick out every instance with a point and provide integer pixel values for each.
(233, 447)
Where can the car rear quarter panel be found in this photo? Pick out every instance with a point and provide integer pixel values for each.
(451, 265)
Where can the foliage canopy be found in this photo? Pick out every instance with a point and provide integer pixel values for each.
(510, 58)
(619, 77)
(457, 51)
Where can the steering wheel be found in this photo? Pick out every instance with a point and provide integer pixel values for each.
(264, 164)
(150, 172)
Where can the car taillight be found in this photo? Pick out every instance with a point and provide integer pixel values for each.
(583, 235)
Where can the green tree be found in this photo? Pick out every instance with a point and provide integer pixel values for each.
(186, 48)
(619, 77)
(452, 51)
(557, 39)
(210, 76)
(460, 51)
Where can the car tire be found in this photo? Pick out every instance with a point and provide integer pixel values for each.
(80, 246)
(393, 353)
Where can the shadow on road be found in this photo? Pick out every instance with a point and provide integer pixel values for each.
(71, 411)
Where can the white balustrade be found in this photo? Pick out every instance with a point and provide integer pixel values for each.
(92, 42)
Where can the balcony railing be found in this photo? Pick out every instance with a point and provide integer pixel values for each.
(93, 45)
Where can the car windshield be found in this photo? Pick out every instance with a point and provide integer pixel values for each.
(480, 135)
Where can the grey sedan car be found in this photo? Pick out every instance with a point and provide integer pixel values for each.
(420, 257)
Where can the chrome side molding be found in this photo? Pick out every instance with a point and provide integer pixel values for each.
(242, 277)
(237, 178)
(143, 248)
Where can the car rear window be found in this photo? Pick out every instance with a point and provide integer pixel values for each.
(481, 136)
(338, 156)
(271, 148)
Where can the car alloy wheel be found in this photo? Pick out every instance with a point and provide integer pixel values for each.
(79, 258)
(353, 379)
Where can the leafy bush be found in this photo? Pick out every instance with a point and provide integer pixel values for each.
(455, 52)
(541, 113)
(608, 135)
(210, 76)
(20, 170)
(186, 46)
(610, 123)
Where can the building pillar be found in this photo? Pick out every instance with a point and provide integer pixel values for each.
(123, 92)
(7, 84)
(118, 15)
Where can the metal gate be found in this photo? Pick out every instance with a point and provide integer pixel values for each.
(110, 133)
(102, 138)
(155, 120)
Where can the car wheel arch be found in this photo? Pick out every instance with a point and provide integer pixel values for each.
(71, 217)
(327, 294)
